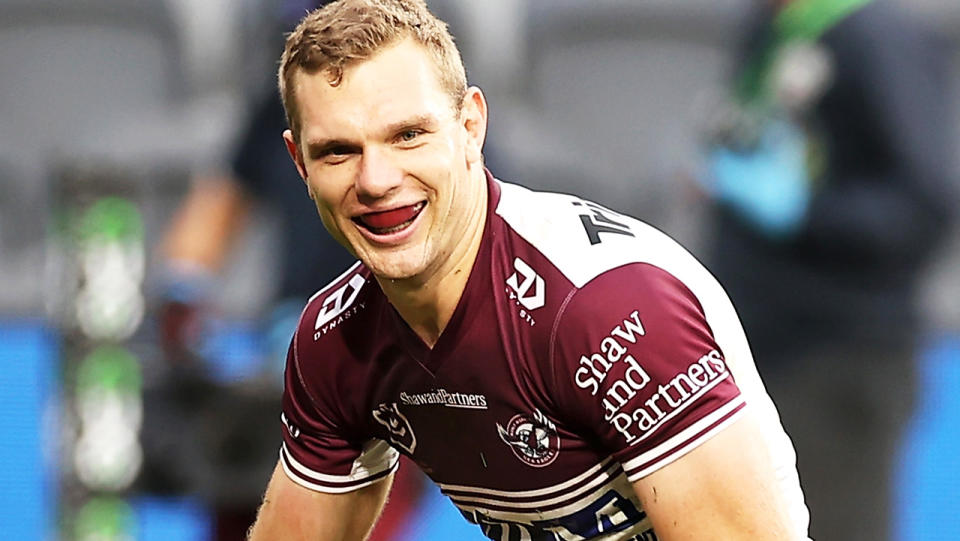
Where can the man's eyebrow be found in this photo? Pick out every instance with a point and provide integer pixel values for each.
(319, 147)
(425, 120)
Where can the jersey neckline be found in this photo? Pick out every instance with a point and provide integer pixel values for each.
(432, 359)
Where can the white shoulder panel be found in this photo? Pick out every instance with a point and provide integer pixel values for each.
(583, 239)
(560, 225)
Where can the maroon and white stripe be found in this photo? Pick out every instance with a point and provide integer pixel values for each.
(376, 462)
(553, 501)
(687, 403)
(685, 441)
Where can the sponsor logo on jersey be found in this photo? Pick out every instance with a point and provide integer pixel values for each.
(610, 514)
(337, 307)
(599, 220)
(526, 288)
(595, 367)
(400, 432)
(291, 428)
(647, 415)
(532, 438)
(445, 398)
(529, 292)
(680, 391)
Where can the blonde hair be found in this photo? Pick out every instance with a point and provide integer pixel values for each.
(344, 32)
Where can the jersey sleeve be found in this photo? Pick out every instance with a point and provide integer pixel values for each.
(636, 364)
(318, 451)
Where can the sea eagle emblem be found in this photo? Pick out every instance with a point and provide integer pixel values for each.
(532, 438)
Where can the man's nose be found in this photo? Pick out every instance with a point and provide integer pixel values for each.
(378, 175)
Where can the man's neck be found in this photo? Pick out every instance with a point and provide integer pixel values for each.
(427, 304)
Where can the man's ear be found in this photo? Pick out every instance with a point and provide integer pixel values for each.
(473, 114)
(294, 150)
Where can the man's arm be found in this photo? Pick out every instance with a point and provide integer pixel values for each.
(294, 513)
(723, 489)
(206, 224)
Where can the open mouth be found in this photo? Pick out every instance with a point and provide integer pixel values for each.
(390, 221)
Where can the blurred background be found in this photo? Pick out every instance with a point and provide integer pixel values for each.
(147, 282)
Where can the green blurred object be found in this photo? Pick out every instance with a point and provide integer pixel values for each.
(105, 519)
(109, 368)
(800, 20)
(112, 218)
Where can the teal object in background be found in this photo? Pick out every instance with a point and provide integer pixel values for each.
(171, 519)
(927, 505)
(28, 408)
(234, 351)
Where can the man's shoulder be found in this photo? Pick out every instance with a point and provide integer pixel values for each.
(339, 306)
(583, 239)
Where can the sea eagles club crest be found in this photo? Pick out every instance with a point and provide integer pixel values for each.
(532, 438)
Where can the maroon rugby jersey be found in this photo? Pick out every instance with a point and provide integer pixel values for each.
(587, 351)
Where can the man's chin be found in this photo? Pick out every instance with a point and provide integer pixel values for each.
(394, 266)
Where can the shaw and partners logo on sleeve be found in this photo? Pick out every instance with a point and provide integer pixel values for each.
(337, 307)
(526, 288)
(633, 418)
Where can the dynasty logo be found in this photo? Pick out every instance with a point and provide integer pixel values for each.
(336, 308)
(532, 438)
(526, 288)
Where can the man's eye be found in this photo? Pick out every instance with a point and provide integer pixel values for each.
(409, 135)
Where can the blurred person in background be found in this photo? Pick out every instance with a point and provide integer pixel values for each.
(830, 170)
(463, 337)
(228, 436)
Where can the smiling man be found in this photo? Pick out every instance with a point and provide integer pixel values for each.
(561, 371)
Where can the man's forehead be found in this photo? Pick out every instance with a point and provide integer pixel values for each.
(373, 107)
(390, 87)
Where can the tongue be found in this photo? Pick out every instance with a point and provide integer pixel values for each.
(390, 218)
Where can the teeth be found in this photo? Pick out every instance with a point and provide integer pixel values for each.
(394, 229)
